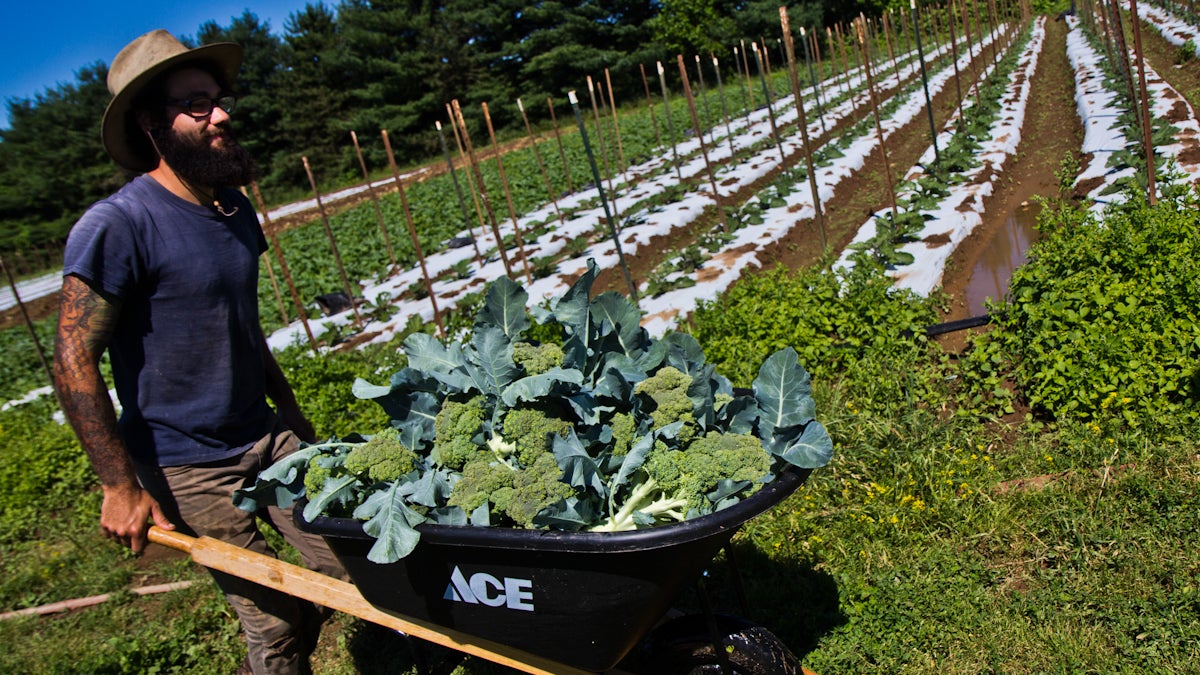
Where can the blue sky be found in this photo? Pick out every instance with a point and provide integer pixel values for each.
(45, 42)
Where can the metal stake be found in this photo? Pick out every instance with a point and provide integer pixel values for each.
(612, 228)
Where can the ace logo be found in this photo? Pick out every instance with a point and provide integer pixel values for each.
(483, 588)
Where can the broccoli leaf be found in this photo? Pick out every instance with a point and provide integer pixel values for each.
(738, 416)
(807, 447)
(536, 386)
(571, 514)
(783, 391)
(579, 469)
(447, 515)
(504, 308)
(392, 526)
(280, 484)
(494, 354)
(443, 363)
(573, 309)
(635, 458)
(431, 489)
(685, 353)
(337, 490)
(615, 312)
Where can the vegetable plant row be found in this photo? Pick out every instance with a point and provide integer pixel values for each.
(1112, 138)
(941, 199)
(770, 215)
(641, 209)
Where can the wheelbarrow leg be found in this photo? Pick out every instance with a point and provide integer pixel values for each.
(710, 618)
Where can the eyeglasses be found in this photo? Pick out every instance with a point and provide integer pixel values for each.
(202, 106)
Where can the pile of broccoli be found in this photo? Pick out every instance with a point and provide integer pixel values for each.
(600, 428)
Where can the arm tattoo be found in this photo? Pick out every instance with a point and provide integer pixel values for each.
(86, 323)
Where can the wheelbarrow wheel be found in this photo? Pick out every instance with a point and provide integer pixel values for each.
(684, 646)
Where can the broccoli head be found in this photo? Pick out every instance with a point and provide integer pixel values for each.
(483, 481)
(534, 488)
(517, 494)
(537, 359)
(315, 475)
(669, 390)
(530, 430)
(458, 432)
(624, 430)
(382, 459)
(716, 456)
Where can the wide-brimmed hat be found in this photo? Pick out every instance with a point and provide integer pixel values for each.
(133, 68)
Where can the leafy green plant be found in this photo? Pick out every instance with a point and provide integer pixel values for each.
(613, 430)
(834, 319)
(1186, 52)
(1103, 319)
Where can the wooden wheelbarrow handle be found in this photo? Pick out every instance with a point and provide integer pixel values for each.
(344, 597)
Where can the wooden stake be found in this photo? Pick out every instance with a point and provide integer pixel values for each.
(541, 165)
(599, 131)
(337, 256)
(412, 231)
(662, 80)
(462, 204)
(887, 168)
(937, 156)
(482, 190)
(650, 103)
(512, 212)
(283, 315)
(708, 123)
(387, 241)
(724, 108)
(791, 57)
(954, 58)
(749, 81)
(612, 104)
(887, 37)
(462, 155)
(287, 275)
(562, 153)
(811, 166)
(1147, 121)
(37, 345)
(712, 180)
(767, 95)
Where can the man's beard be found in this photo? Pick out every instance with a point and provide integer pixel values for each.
(199, 163)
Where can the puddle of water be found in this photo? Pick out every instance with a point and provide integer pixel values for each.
(1005, 253)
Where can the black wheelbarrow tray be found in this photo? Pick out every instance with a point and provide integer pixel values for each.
(584, 599)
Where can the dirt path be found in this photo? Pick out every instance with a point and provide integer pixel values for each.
(1052, 132)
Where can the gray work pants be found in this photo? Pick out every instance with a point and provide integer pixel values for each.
(281, 630)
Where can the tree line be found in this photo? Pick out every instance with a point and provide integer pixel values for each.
(367, 65)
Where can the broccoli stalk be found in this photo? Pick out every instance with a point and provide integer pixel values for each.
(671, 484)
(648, 498)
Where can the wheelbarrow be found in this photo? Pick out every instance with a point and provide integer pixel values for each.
(539, 601)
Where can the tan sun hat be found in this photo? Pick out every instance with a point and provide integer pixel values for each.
(133, 68)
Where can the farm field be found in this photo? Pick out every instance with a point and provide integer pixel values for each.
(958, 529)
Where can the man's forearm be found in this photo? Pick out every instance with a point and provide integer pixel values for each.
(85, 325)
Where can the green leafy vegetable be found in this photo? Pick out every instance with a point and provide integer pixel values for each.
(609, 430)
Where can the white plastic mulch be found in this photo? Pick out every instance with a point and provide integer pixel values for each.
(649, 225)
(1104, 133)
(960, 212)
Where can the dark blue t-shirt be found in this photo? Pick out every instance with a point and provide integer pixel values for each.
(187, 353)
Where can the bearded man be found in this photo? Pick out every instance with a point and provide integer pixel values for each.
(164, 275)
